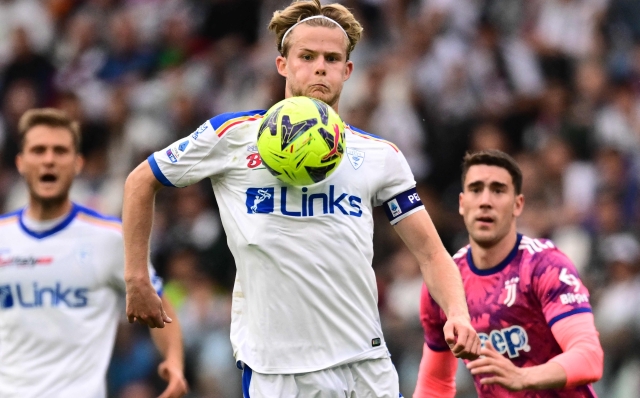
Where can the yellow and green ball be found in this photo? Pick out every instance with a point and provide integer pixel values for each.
(301, 140)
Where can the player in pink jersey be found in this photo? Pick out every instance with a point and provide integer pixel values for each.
(525, 299)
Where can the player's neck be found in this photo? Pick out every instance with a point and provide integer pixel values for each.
(42, 211)
(488, 257)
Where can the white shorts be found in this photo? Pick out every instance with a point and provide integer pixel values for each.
(373, 378)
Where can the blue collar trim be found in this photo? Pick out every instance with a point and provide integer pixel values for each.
(502, 265)
(56, 229)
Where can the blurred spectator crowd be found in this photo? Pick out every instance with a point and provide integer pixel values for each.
(555, 83)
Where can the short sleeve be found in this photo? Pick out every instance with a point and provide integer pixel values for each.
(203, 154)
(397, 193)
(433, 320)
(558, 287)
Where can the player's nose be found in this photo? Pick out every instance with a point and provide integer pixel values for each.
(321, 69)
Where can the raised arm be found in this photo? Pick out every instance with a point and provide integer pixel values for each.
(443, 281)
(143, 303)
(169, 342)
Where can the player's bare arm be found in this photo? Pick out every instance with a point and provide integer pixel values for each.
(168, 340)
(443, 281)
(503, 372)
(143, 303)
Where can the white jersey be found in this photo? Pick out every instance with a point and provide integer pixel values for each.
(305, 296)
(60, 302)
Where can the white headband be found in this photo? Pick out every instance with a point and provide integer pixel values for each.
(307, 19)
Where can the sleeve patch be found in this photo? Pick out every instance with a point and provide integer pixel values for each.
(401, 205)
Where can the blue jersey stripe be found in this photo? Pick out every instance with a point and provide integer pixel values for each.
(221, 119)
(95, 214)
(494, 270)
(12, 214)
(56, 229)
(568, 314)
(246, 380)
(157, 172)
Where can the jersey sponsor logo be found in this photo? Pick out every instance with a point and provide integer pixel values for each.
(570, 280)
(254, 160)
(35, 296)
(252, 148)
(512, 288)
(183, 145)
(260, 200)
(534, 245)
(394, 208)
(199, 131)
(263, 200)
(573, 298)
(6, 299)
(355, 157)
(25, 261)
(509, 340)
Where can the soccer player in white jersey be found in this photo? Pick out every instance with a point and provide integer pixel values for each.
(305, 320)
(61, 277)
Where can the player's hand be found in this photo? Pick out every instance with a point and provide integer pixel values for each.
(177, 386)
(144, 305)
(462, 338)
(499, 370)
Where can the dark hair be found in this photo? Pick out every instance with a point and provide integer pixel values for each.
(48, 117)
(299, 10)
(493, 157)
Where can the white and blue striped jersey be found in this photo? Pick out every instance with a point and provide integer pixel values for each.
(305, 296)
(61, 293)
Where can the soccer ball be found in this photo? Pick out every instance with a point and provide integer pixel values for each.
(301, 140)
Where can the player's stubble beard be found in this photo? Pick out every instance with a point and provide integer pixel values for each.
(51, 202)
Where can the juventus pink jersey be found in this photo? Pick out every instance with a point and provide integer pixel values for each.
(514, 305)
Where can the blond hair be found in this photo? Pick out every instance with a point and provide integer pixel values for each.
(50, 117)
(301, 9)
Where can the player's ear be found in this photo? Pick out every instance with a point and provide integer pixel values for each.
(19, 163)
(460, 209)
(518, 205)
(79, 163)
(348, 69)
(281, 65)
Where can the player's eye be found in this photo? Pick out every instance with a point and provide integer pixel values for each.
(307, 57)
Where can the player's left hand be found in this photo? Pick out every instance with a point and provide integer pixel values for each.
(462, 337)
(177, 386)
(499, 369)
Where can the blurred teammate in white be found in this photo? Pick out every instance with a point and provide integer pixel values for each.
(305, 319)
(61, 276)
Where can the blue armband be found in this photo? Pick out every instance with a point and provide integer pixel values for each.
(402, 205)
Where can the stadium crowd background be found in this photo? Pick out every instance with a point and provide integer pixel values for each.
(556, 83)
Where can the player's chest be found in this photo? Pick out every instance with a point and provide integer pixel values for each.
(345, 193)
(50, 262)
(503, 312)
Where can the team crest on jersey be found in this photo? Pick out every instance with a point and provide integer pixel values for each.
(512, 288)
(355, 157)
